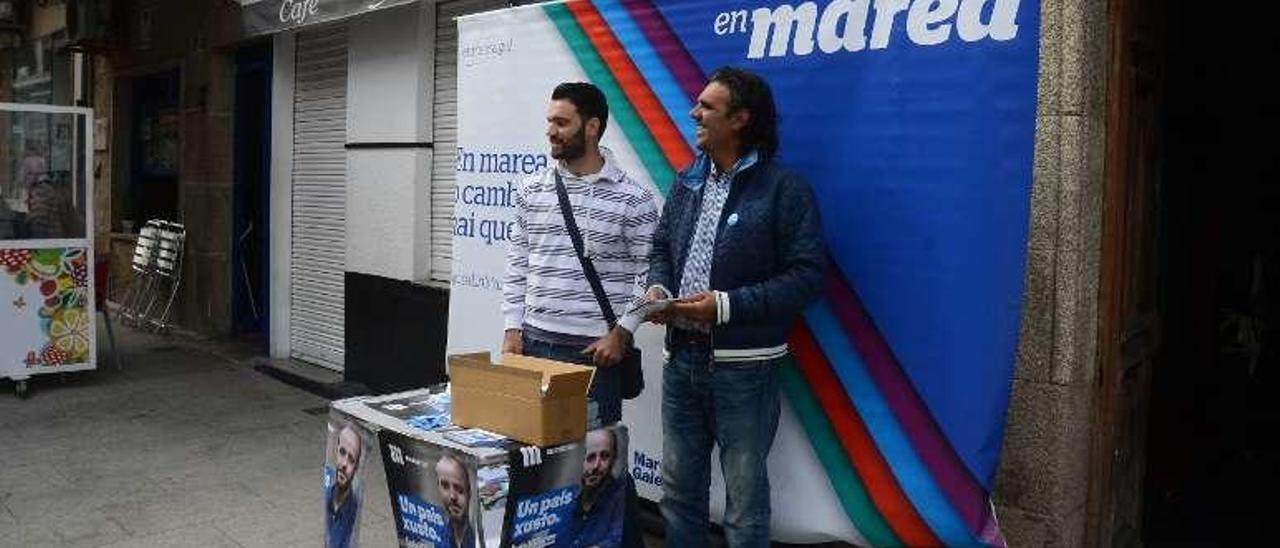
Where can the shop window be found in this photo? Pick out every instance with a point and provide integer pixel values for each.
(40, 71)
(42, 175)
(151, 191)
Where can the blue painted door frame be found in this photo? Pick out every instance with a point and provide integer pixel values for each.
(250, 237)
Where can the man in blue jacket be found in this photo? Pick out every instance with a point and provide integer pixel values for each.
(740, 245)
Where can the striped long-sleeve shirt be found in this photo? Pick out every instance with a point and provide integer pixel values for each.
(544, 285)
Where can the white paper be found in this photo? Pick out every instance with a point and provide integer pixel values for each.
(645, 309)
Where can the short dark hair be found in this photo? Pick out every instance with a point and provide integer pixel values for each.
(587, 98)
(748, 90)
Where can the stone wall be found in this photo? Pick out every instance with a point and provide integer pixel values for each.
(154, 42)
(1042, 484)
(101, 97)
(205, 197)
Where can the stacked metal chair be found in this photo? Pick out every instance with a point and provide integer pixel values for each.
(157, 268)
(139, 291)
(168, 269)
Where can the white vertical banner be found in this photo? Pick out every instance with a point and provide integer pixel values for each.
(509, 61)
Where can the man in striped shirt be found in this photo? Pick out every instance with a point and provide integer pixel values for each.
(549, 309)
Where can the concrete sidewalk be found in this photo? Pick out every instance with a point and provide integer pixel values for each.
(187, 446)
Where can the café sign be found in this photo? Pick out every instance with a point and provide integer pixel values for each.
(269, 16)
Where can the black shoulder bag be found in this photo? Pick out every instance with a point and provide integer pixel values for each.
(632, 373)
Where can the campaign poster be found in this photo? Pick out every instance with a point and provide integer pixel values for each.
(569, 495)
(435, 493)
(348, 454)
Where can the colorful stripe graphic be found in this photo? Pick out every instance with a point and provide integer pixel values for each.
(849, 488)
(660, 79)
(669, 46)
(633, 84)
(885, 430)
(660, 171)
(857, 442)
(962, 489)
(893, 469)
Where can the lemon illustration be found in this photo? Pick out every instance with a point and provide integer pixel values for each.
(70, 333)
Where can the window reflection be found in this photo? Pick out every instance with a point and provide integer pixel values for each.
(42, 175)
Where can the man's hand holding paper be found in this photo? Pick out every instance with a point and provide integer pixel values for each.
(656, 307)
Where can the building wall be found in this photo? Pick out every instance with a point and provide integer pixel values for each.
(282, 75)
(151, 41)
(1042, 484)
(118, 250)
(205, 198)
(101, 95)
(395, 326)
(386, 187)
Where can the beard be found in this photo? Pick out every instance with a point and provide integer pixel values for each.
(590, 492)
(572, 148)
(343, 479)
(458, 513)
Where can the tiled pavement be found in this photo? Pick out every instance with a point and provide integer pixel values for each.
(184, 447)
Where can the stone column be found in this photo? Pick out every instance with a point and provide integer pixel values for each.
(1042, 484)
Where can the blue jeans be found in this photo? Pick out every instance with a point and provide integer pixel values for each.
(734, 406)
(604, 401)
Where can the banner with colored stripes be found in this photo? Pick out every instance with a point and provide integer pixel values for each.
(914, 122)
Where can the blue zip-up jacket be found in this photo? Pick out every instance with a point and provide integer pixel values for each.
(769, 260)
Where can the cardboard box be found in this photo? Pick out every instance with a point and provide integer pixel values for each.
(537, 401)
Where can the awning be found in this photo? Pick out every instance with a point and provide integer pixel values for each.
(260, 17)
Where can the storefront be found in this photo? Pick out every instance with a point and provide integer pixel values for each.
(318, 208)
(363, 148)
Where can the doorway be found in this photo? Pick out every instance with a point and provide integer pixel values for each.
(252, 172)
(153, 186)
(1188, 396)
(1213, 461)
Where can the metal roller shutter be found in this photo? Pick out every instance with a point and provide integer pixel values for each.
(444, 127)
(319, 197)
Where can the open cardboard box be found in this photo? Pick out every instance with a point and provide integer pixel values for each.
(537, 401)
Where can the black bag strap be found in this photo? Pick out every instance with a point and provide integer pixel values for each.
(589, 269)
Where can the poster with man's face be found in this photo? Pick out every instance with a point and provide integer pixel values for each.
(434, 493)
(569, 495)
(346, 459)
(601, 506)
